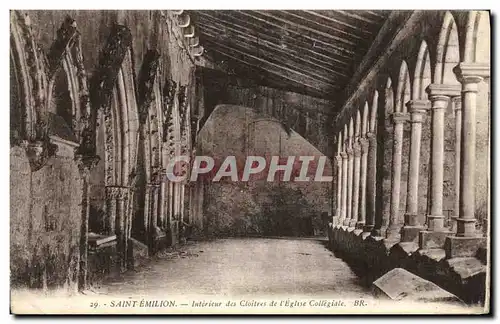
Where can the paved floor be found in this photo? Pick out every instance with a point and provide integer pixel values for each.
(243, 267)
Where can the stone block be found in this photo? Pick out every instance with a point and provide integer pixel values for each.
(466, 267)
(357, 232)
(432, 240)
(400, 284)
(365, 235)
(407, 248)
(457, 247)
(411, 233)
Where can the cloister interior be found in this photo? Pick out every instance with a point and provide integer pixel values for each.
(398, 102)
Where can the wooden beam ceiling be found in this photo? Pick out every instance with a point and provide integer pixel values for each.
(307, 51)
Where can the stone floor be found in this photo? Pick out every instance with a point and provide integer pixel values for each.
(243, 267)
(248, 270)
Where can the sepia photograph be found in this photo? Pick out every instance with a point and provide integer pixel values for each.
(178, 162)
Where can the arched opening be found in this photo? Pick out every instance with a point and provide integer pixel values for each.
(403, 96)
(447, 52)
(384, 133)
(477, 50)
(422, 79)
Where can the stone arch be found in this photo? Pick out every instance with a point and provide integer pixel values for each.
(29, 77)
(477, 51)
(447, 51)
(384, 133)
(171, 149)
(403, 94)
(373, 113)
(365, 127)
(149, 209)
(357, 124)
(477, 37)
(423, 74)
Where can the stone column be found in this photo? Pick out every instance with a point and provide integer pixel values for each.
(350, 174)
(121, 194)
(110, 210)
(338, 212)
(345, 163)
(371, 182)
(467, 240)
(85, 165)
(399, 118)
(412, 226)
(457, 106)
(439, 95)
(161, 198)
(362, 188)
(356, 184)
(470, 75)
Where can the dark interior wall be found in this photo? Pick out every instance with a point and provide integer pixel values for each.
(308, 116)
(258, 206)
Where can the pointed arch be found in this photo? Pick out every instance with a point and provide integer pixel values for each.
(403, 93)
(364, 122)
(29, 79)
(357, 125)
(351, 131)
(339, 142)
(346, 136)
(477, 37)
(373, 113)
(447, 52)
(423, 74)
(389, 97)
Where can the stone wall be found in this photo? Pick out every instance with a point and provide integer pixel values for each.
(45, 221)
(258, 206)
(308, 116)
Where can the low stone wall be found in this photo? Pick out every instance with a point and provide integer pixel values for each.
(370, 257)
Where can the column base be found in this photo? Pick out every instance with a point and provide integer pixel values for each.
(432, 240)
(335, 220)
(466, 227)
(393, 233)
(453, 224)
(379, 232)
(411, 233)
(352, 223)
(435, 223)
(346, 222)
(457, 247)
(368, 228)
(360, 225)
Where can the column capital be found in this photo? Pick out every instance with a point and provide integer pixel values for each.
(357, 149)
(370, 135)
(437, 91)
(470, 74)
(349, 151)
(399, 117)
(418, 106)
(117, 192)
(365, 144)
(343, 155)
(338, 157)
(457, 102)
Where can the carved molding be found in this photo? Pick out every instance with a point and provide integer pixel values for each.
(30, 71)
(118, 44)
(147, 77)
(86, 163)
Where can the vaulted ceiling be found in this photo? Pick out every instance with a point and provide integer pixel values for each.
(310, 52)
